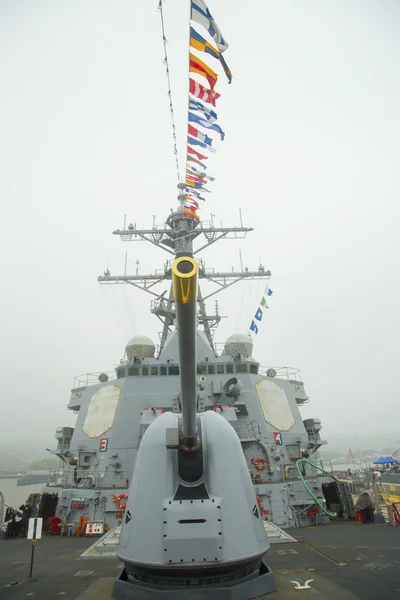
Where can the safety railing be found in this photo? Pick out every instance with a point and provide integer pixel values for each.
(91, 378)
(108, 478)
(289, 373)
(247, 430)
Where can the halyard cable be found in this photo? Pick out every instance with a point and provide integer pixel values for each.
(171, 108)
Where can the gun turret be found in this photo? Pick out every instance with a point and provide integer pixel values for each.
(194, 534)
(184, 285)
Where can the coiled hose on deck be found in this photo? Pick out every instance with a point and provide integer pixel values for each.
(317, 502)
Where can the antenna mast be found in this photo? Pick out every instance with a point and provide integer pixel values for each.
(176, 237)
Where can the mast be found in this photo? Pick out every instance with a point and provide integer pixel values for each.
(176, 237)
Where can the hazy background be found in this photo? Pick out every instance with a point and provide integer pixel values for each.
(311, 157)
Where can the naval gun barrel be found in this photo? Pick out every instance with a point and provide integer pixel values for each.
(184, 287)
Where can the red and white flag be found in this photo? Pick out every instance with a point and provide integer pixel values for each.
(197, 134)
(195, 178)
(199, 156)
(197, 90)
(192, 200)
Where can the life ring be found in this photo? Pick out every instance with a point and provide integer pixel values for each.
(118, 501)
(259, 463)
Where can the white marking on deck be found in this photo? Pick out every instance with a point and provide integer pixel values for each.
(306, 586)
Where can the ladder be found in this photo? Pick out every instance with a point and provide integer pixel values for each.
(346, 500)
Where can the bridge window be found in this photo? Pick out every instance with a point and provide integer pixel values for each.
(211, 369)
(174, 370)
(220, 368)
(120, 373)
(163, 370)
(154, 370)
(133, 371)
(145, 370)
(229, 368)
(201, 369)
(241, 368)
(253, 369)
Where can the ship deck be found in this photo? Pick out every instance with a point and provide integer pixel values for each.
(344, 560)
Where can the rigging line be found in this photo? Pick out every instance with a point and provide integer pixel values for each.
(127, 312)
(124, 314)
(130, 311)
(171, 108)
(124, 327)
(118, 324)
(240, 309)
(132, 321)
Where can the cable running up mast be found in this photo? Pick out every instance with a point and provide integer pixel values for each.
(171, 107)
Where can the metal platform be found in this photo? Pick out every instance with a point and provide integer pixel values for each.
(276, 535)
(106, 546)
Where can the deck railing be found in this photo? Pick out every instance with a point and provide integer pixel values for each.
(91, 378)
(90, 480)
(247, 430)
(289, 373)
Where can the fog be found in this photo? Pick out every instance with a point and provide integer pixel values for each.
(310, 157)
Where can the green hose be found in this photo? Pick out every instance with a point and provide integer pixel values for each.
(317, 502)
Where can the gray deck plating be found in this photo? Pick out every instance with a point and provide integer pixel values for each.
(371, 554)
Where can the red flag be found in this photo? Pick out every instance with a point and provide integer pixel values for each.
(197, 90)
(199, 156)
(195, 178)
(191, 200)
(195, 133)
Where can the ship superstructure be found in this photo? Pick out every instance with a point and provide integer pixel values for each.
(262, 404)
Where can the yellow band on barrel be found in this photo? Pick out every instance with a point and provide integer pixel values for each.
(184, 285)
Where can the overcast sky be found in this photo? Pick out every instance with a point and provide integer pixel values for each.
(311, 156)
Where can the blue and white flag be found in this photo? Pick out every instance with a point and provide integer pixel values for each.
(197, 119)
(200, 14)
(268, 291)
(195, 193)
(196, 142)
(190, 190)
(209, 114)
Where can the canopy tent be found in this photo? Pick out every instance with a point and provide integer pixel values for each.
(385, 460)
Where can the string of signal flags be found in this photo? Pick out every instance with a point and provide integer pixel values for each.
(255, 323)
(202, 119)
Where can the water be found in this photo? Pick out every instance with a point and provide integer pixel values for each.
(16, 495)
